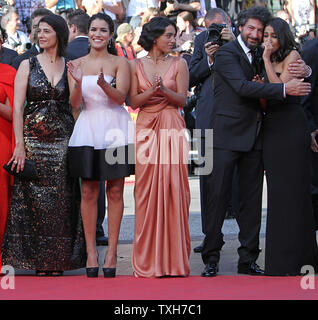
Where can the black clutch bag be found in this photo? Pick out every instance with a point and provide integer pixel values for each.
(29, 171)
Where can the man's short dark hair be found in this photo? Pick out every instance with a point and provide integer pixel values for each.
(41, 12)
(259, 13)
(80, 19)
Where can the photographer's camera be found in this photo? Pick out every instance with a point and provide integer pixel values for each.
(214, 35)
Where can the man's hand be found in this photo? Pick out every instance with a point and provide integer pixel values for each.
(171, 7)
(210, 50)
(314, 145)
(227, 34)
(296, 87)
(298, 69)
(258, 78)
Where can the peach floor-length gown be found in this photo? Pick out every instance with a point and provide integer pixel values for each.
(162, 197)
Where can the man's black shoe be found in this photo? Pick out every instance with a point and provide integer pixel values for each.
(251, 269)
(210, 270)
(102, 241)
(199, 248)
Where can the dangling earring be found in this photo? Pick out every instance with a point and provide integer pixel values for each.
(110, 44)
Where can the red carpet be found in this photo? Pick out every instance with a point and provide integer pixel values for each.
(130, 288)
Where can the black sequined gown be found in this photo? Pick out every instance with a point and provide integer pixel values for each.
(44, 224)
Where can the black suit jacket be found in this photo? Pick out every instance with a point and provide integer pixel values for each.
(237, 112)
(7, 55)
(200, 74)
(310, 102)
(33, 51)
(77, 48)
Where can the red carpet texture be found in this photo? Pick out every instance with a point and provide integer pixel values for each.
(129, 288)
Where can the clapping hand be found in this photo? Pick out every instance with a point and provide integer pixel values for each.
(158, 85)
(75, 71)
(101, 80)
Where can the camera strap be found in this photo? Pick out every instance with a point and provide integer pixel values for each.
(13, 42)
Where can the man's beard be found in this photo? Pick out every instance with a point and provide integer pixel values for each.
(249, 45)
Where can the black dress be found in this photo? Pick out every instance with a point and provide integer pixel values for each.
(44, 225)
(290, 230)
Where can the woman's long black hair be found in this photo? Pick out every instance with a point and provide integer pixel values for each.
(285, 38)
(60, 27)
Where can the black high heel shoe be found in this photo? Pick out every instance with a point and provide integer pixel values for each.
(92, 272)
(109, 272)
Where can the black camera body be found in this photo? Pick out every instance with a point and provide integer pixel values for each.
(213, 34)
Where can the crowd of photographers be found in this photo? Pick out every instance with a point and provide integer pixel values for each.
(188, 15)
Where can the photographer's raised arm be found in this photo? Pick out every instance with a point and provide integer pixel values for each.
(199, 68)
(193, 6)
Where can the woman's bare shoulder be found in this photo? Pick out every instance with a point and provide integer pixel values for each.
(293, 56)
(24, 67)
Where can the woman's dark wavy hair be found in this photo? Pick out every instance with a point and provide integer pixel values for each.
(153, 30)
(59, 25)
(103, 16)
(285, 38)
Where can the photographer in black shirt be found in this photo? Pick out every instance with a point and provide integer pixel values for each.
(201, 68)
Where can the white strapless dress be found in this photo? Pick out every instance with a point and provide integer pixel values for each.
(101, 145)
